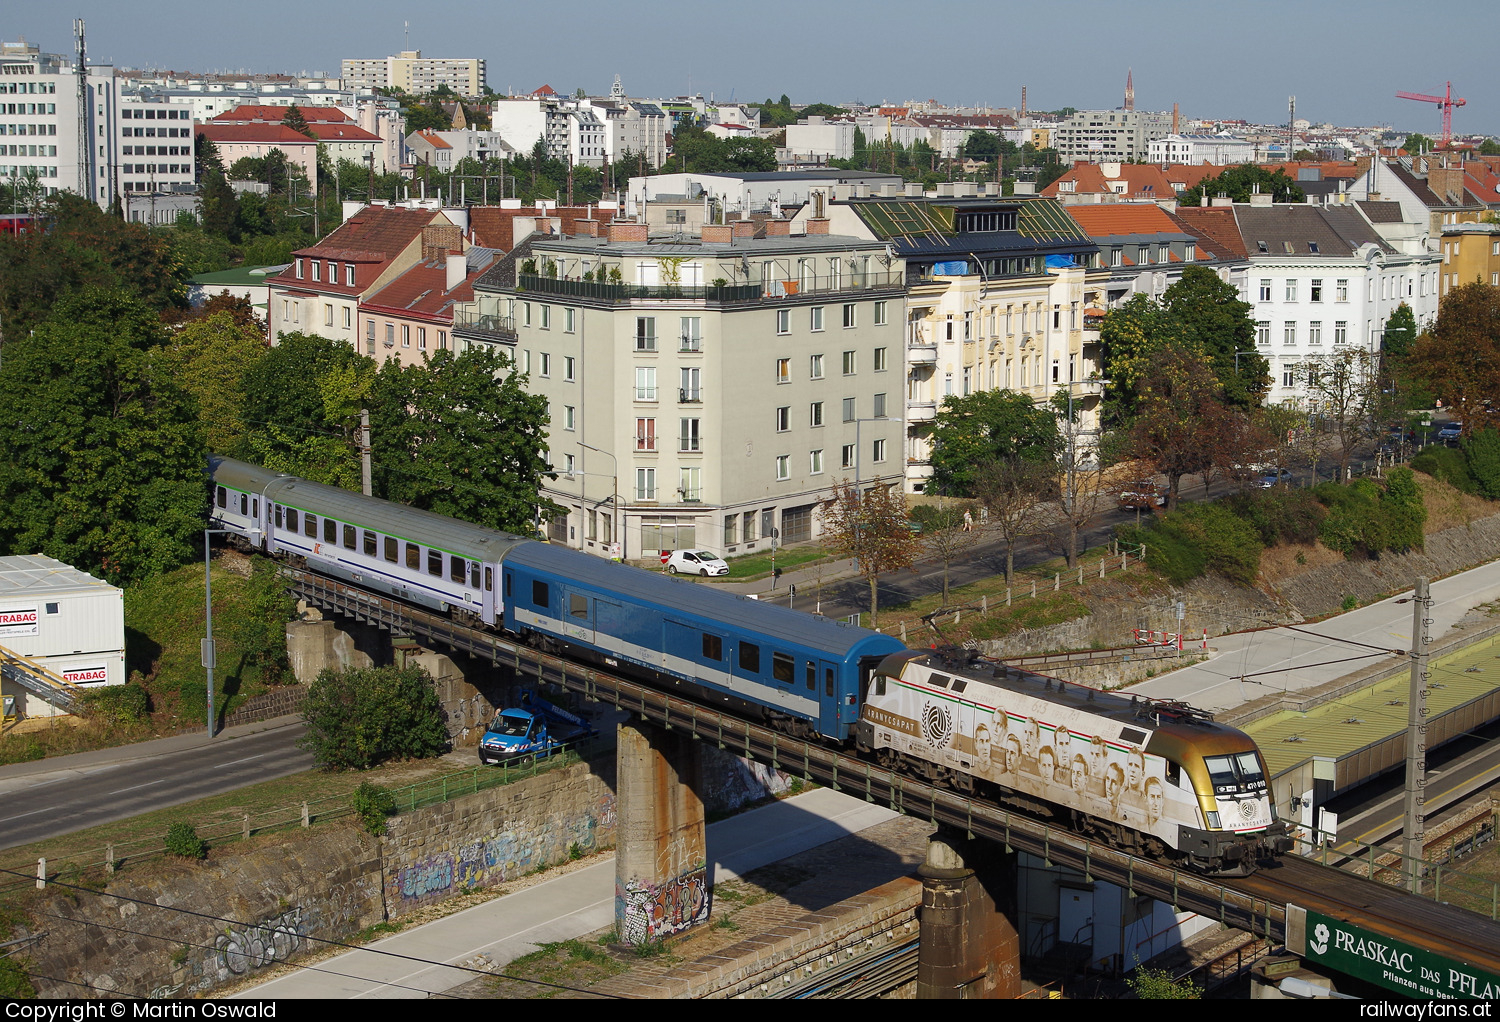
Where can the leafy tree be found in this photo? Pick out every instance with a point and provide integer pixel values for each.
(1482, 451)
(873, 528)
(260, 629)
(1183, 426)
(981, 145)
(105, 461)
(373, 803)
(1240, 182)
(949, 533)
(460, 435)
(1489, 147)
(985, 427)
(1014, 495)
(209, 359)
(1416, 143)
(1129, 338)
(1400, 336)
(1216, 322)
(1459, 358)
(1346, 387)
(361, 717)
(302, 405)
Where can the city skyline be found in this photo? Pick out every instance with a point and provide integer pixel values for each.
(1191, 54)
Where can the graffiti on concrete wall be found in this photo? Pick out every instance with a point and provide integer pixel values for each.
(243, 949)
(518, 848)
(731, 782)
(649, 912)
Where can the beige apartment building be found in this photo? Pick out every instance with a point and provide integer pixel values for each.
(705, 392)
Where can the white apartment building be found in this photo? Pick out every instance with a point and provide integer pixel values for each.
(633, 127)
(1321, 280)
(411, 72)
(716, 412)
(820, 137)
(1109, 136)
(1220, 150)
(570, 128)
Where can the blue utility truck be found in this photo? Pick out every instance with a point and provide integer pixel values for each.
(535, 728)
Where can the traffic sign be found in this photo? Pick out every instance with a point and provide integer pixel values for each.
(666, 555)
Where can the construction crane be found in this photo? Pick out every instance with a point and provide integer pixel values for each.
(1446, 103)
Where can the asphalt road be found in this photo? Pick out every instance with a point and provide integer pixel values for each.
(58, 796)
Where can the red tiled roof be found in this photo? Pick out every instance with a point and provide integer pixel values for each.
(494, 227)
(254, 134)
(545, 90)
(1216, 228)
(1141, 181)
(376, 234)
(420, 293)
(432, 139)
(1118, 218)
(341, 133)
(255, 114)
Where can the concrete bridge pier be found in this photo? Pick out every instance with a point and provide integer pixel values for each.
(970, 945)
(661, 869)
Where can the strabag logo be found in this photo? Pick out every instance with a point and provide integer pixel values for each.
(19, 621)
(93, 674)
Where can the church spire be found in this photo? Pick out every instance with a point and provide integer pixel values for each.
(1130, 89)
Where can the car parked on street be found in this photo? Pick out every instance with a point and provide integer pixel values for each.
(696, 562)
(1273, 476)
(1450, 432)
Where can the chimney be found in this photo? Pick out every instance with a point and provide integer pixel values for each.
(742, 228)
(458, 269)
(717, 234)
(778, 228)
(586, 226)
(1174, 119)
(817, 225)
(440, 239)
(624, 230)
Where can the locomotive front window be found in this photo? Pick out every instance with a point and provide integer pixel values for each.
(310, 525)
(1238, 770)
(413, 557)
(783, 667)
(435, 563)
(750, 657)
(330, 531)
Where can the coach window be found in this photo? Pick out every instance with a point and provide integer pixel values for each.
(713, 647)
(222, 497)
(369, 543)
(489, 580)
(456, 571)
(435, 563)
(310, 526)
(330, 531)
(812, 676)
(750, 657)
(390, 549)
(255, 508)
(291, 519)
(349, 537)
(783, 667)
(474, 575)
(413, 557)
(828, 681)
(578, 606)
(244, 504)
(539, 593)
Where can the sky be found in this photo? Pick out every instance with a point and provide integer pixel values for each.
(1344, 63)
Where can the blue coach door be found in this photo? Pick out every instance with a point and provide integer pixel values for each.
(577, 615)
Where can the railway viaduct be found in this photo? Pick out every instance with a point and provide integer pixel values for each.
(969, 942)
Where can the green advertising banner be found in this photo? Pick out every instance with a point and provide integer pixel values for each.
(1384, 961)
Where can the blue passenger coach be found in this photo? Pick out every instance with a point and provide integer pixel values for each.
(806, 674)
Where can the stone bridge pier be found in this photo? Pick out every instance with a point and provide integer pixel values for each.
(971, 947)
(661, 866)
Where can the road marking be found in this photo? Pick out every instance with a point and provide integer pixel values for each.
(247, 759)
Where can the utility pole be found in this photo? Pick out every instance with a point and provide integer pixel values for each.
(1414, 845)
(364, 451)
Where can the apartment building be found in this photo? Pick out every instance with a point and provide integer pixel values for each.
(1109, 136)
(1470, 252)
(1002, 295)
(570, 128)
(412, 316)
(705, 391)
(411, 72)
(1145, 249)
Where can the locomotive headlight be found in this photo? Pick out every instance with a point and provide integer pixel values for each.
(1213, 820)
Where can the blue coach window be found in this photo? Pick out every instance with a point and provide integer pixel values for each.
(750, 657)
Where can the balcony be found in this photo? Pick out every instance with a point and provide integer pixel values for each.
(921, 411)
(495, 329)
(922, 354)
(691, 396)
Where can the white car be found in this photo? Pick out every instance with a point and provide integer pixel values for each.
(696, 562)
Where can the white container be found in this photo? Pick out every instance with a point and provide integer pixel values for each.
(63, 619)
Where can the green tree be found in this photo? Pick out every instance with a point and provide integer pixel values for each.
(297, 122)
(1015, 495)
(1240, 182)
(105, 462)
(209, 359)
(259, 630)
(986, 427)
(1489, 147)
(1346, 387)
(1183, 426)
(1459, 358)
(1129, 339)
(461, 436)
(1416, 143)
(1158, 985)
(1400, 336)
(361, 717)
(1216, 322)
(981, 145)
(872, 527)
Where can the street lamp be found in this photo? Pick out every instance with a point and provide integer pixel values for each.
(614, 504)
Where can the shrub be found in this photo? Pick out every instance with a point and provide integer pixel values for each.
(1446, 465)
(373, 804)
(1404, 512)
(1482, 452)
(260, 628)
(1350, 602)
(1230, 545)
(361, 717)
(1354, 522)
(1280, 514)
(117, 706)
(183, 841)
(1157, 985)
